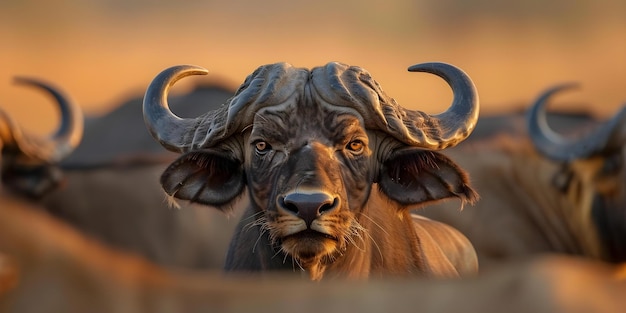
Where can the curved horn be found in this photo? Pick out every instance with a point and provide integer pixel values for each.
(64, 140)
(167, 128)
(558, 147)
(458, 122)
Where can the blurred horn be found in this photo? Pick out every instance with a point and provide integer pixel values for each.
(558, 147)
(67, 136)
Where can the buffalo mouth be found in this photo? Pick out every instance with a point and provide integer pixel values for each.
(309, 244)
(310, 234)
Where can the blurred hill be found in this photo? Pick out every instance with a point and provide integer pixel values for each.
(100, 52)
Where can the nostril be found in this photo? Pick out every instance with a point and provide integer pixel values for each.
(291, 207)
(328, 206)
(288, 204)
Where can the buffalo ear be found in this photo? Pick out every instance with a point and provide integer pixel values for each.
(417, 177)
(205, 177)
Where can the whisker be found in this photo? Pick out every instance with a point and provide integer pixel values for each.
(376, 224)
(297, 263)
(257, 222)
(366, 232)
(253, 216)
(380, 252)
(355, 231)
(277, 253)
(249, 226)
(261, 233)
(330, 258)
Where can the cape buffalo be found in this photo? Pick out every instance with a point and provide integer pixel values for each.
(114, 197)
(331, 164)
(546, 193)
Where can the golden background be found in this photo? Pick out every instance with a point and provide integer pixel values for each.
(101, 52)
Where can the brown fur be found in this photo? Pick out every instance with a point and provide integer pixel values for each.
(522, 212)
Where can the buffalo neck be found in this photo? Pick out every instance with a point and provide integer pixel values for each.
(388, 246)
(571, 228)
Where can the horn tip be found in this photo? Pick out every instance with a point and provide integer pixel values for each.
(421, 66)
(24, 80)
(430, 66)
(567, 85)
(188, 69)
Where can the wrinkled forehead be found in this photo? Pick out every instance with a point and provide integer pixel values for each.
(305, 118)
(285, 90)
(343, 85)
(307, 113)
(335, 83)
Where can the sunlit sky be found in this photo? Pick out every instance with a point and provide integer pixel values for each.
(101, 52)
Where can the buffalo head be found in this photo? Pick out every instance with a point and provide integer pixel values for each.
(29, 161)
(309, 145)
(592, 176)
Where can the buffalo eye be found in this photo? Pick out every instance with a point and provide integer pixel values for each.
(262, 147)
(356, 146)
